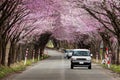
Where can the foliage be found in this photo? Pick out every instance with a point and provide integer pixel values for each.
(114, 68)
(4, 71)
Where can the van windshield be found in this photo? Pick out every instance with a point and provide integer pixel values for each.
(81, 53)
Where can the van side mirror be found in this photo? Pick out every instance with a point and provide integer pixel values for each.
(91, 55)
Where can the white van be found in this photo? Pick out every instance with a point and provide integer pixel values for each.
(81, 58)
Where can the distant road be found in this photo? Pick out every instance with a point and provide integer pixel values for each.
(58, 68)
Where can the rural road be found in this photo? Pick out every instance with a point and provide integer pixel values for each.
(58, 68)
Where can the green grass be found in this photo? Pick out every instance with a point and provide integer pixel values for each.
(17, 67)
(4, 71)
(114, 68)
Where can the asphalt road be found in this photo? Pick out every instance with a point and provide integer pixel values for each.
(58, 68)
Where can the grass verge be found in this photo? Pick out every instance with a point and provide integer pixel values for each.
(113, 67)
(17, 67)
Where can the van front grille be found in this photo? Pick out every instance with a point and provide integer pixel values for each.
(81, 58)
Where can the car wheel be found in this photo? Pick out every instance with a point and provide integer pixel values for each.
(89, 67)
(72, 66)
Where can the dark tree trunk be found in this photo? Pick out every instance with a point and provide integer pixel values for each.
(10, 57)
(54, 43)
(3, 52)
(41, 51)
(3, 56)
(0, 53)
(11, 54)
(36, 52)
(113, 58)
(118, 52)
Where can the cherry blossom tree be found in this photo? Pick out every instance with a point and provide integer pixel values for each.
(11, 13)
(34, 22)
(106, 13)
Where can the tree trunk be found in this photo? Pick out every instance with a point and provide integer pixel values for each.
(0, 53)
(118, 51)
(11, 54)
(7, 52)
(3, 52)
(54, 43)
(42, 51)
(9, 57)
(36, 52)
(20, 53)
(15, 54)
(113, 57)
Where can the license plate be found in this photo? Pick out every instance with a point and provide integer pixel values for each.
(81, 62)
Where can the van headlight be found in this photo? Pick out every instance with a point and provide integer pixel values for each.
(73, 58)
(88, 59)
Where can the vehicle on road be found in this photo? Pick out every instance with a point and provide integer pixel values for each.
(68, 53)
(81, 58)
